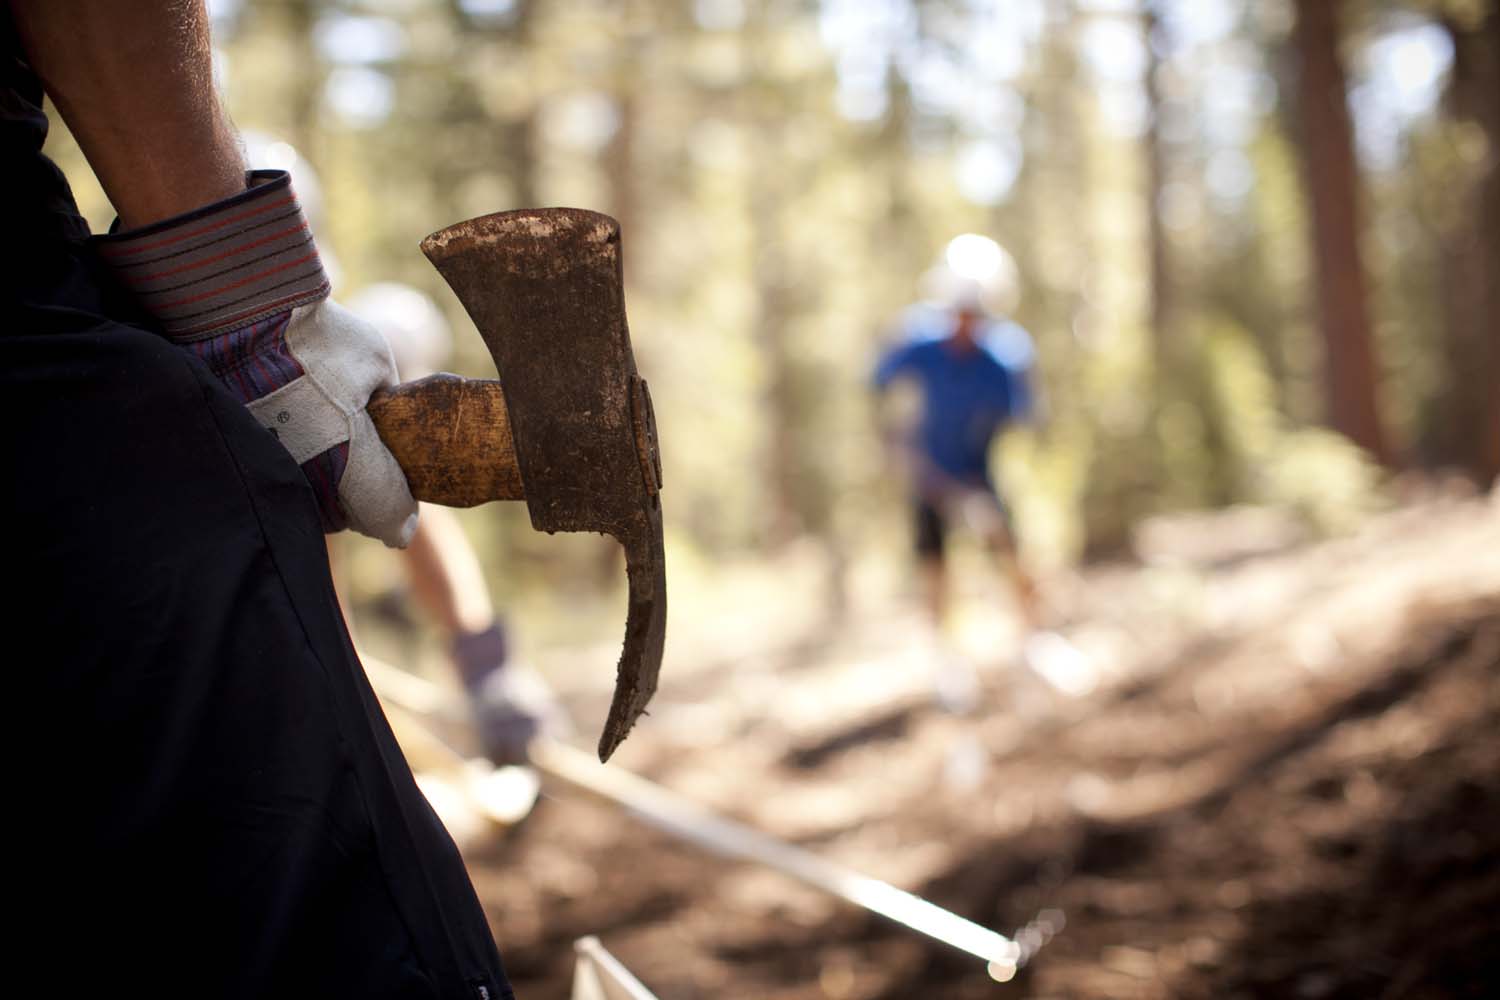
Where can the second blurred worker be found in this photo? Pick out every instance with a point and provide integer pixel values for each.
(512, 705)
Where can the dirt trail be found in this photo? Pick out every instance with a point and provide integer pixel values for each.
(1287, 784)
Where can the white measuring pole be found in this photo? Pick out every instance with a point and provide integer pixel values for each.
(672, 814)
(675, 815)
(598, 975)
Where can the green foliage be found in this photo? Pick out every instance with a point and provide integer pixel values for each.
(1323, 476)
(1315, 472)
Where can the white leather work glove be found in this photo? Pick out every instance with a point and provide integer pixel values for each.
(239, 283)
(511, 704)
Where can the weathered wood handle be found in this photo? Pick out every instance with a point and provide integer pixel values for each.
(452, 438)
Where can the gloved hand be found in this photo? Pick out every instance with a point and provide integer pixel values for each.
(239, 283)
(511, 703)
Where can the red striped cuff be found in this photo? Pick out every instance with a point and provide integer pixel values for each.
(223, 266)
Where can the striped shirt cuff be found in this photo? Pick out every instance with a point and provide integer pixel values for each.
(224, 266)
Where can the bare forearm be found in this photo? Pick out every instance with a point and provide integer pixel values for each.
(134, 83)
(445, 576)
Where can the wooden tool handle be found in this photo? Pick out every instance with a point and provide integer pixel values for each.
(452, 438)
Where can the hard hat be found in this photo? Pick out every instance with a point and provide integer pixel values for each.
(412, 324)
(975, 273)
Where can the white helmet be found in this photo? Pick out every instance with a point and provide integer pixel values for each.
(976, 273)
(412, 324)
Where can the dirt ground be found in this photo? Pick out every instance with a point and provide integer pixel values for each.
(1286, 783)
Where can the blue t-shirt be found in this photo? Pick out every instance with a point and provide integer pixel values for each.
(966, 397)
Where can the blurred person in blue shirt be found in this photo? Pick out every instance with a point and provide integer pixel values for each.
(973, 369)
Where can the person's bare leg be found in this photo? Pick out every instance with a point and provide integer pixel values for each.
(512, 704)
(953, 679)
(935, 590)
(1023, 585)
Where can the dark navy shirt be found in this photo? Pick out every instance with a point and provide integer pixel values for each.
(34, 197)
(967, 396)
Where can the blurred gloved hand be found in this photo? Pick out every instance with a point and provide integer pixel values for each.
(511, 703)
(239, 284)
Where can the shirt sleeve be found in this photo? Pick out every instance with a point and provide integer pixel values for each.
(223, 267)
(895, 362)
(1011, 348)
(1021, 403)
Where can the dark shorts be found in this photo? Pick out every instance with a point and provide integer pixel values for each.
(210, 802)
(930, 523)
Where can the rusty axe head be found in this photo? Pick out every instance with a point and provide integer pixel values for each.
(545, 288)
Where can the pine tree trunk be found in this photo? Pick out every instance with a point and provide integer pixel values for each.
(1165, 346)
(1467, 415)
(1332, 184)
(1487, 451)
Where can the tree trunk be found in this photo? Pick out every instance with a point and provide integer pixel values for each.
(1467, 413)
(1162, 316)
(1332, 184)
(515, 139)
(620, 167)
(771, 277)
(1486, 462)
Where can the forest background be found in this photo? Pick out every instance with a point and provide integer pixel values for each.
(1259, 242)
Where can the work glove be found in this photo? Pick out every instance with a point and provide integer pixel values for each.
(239, 284)
(511, 704)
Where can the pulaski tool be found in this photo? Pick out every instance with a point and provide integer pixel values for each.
(568, 428)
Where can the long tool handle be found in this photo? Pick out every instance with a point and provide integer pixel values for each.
(451, 436)
(600, 976)
(671, 814)
(676, 816)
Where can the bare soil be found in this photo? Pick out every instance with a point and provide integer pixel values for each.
(1287, 784)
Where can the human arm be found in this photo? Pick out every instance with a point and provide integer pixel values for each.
(896, 361)
(889, 427)
(445, 576)
(134, 83)
(512, 705)
(1013, 348)
(220, 261)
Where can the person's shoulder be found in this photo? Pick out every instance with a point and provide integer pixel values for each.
(1008, 344)
(919, 330)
